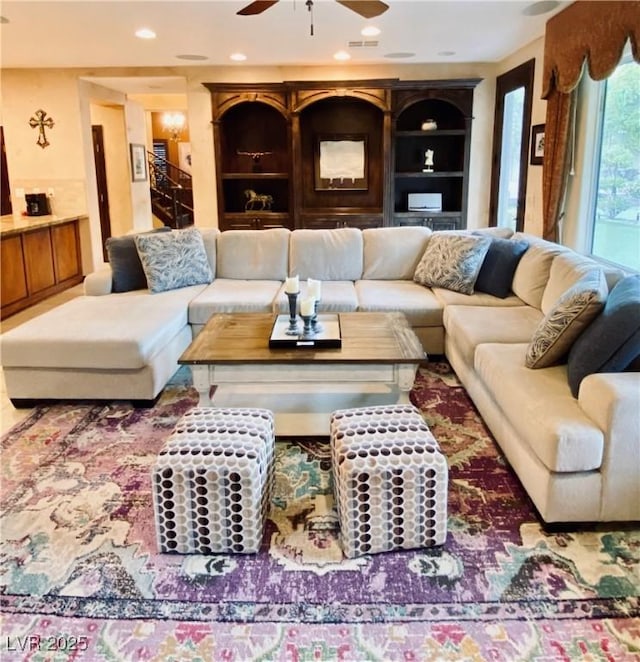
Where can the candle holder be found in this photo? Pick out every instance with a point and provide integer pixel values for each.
(307, 331)
(317, 327)
(292, 330)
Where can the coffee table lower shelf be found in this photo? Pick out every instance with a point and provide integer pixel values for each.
(302, 397)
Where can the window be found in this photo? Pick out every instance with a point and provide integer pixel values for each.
(615, 207)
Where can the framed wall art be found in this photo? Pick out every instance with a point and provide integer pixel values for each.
(138, 162)
(537, 144)
(341, 163)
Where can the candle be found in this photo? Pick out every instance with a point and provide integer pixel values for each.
(307, 306)
(314, 288)
(292, 285)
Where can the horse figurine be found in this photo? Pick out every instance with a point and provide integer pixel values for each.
(256, 201)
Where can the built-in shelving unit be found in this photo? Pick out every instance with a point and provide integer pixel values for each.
(267, 140)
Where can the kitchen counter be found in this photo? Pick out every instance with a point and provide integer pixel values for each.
(40, 256)
(13, 224)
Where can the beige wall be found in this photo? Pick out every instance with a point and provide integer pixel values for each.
(59, 166)
(68, 98)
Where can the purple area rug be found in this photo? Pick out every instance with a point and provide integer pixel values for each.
(81, 578)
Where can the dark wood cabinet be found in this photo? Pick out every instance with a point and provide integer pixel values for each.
(436, 121)
(272, 171)
(39, 262)
(252, 141)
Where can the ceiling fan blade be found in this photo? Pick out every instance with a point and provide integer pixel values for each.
(256, 7)
(366, 8)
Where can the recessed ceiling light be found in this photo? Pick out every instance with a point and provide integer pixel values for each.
(238, 57)
(145, 33)
(342, 56)
(446, 53)
(538, 8)
(188, 56)
(399, 55)
(370, 31)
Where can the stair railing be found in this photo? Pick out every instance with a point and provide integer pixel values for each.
(173, 186)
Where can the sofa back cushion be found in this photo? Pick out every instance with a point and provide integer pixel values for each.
(393, 253)
(209, 239)
(253, 254)
(566, 270)
(326, 254)
(532, 273)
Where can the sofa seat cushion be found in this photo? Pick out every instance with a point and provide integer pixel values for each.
(119, 331)
(470, 326)
(451, 298)
(231, 295)
(337, 296)
(541, 409)
(418, 303)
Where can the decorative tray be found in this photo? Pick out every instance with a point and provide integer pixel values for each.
(327, 336)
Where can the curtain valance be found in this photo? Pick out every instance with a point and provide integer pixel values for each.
(591, 31)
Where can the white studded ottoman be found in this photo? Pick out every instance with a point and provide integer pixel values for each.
(390, 480)
(212, 481)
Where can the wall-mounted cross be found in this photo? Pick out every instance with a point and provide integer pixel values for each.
(39, 121)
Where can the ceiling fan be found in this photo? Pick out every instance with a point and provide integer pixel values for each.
(365, 8)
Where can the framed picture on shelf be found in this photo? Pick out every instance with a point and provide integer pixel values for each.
(340, 163)
(537, 144)
(138, 162)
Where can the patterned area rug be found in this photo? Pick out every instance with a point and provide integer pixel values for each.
(82, 580)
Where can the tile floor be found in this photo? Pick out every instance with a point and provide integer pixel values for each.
(9, 415)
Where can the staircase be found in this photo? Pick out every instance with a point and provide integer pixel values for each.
(171, 192)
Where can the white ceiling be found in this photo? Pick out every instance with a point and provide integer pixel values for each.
(100, 33)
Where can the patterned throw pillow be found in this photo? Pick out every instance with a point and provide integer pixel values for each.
(562, 325)
(174, 259)
(452, 261)
(126, 269)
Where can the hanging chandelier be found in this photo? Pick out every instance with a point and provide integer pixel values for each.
(173, 124)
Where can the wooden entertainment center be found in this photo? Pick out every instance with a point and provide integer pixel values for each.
(309, 154)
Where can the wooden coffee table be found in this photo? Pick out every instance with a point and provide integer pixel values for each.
(233, 366)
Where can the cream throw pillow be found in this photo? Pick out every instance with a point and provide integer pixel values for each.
(570, 316)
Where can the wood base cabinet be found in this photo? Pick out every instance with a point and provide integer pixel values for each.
(37, 263)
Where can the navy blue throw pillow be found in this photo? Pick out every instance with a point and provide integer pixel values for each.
(126, 269)
(496, 272)
(611, 343)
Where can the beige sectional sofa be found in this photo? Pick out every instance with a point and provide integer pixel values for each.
(577, 457)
